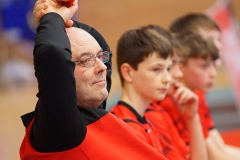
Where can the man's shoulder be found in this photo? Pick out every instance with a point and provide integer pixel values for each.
(27, 118)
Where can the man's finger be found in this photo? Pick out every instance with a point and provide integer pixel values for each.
(69, 23)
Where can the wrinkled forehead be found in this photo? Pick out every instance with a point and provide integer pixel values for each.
(81, 41)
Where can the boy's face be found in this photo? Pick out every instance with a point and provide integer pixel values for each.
(199, 74)
(152, 79)
(175, 72)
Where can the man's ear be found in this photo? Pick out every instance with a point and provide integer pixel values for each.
(126, 72)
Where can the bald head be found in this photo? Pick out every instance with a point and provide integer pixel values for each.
(75, 34)
(81, 41)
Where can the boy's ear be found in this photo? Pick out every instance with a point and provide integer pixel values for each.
(126, 72)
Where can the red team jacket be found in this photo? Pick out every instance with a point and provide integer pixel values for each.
(176, 148)
(112, 138)
(161, 138)
(203, 111)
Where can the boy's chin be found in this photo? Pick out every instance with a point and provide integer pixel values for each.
(206, 90)
(160, 97)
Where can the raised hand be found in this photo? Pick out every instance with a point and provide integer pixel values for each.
(39, 10)
(43, 7)
(185, 100)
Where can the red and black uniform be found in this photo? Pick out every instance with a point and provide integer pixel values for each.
(174, 147)
(59, 128)
(176, 117)
(203, 111)
(150, 129)
(139, 123)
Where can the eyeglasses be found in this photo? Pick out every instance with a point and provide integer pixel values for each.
(90, 59)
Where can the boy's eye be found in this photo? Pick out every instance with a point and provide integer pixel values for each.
(169, 68)
(174, 62)
(214, 63)
(156, 69)
(205, 66)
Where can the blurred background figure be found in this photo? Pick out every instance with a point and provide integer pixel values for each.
(17, 80)
(17, 32)
(226, 109)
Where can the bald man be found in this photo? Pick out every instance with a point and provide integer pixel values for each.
(67, 123)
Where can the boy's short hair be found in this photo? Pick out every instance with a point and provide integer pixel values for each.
(162, 31)
(167, 34)
(193, 22)
(193, 45)
(137, 44)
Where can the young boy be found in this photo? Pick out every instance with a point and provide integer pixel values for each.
(143, 59)
(208, 29)
(203, 52)
(140, 56)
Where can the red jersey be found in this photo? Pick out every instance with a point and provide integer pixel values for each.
(142, 125)
(203, 111)
(112, 138)
(174, 147)
(147, 127)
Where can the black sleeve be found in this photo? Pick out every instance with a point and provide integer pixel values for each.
(103, 44)
(57, 122)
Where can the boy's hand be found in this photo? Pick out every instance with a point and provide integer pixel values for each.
(185, 100)
(43, 7)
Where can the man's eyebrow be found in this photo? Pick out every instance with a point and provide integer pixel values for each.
(84, 54)
(89, 53)
(101, 50)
